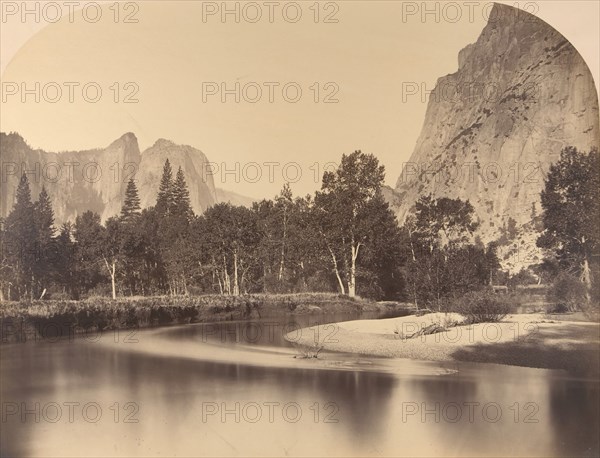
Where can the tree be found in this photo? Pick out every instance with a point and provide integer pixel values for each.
(174, 227)
(305, 252)
(131, 206)
(182, 207)
(491, 260)
(89, 239)
(283, 208)
(6, 269)
(442, 260)
(66, 273)
(44, 217)
(131, 239)
(21, 240)
(381, 257)
(444, 221)
(164, 201)
(229, 238)
(349, 200)
(154, 275)
(276, 220)
(290, 248)
(112, 250)
(571, 213)
(409, 243)
(46, 249)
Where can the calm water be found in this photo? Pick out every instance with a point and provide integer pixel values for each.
(235, 389)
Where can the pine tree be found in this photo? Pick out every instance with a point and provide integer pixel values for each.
(174, 231)
(131, 238)
(164, 201)
(5, 267)
(44, 219)
(23, 202)
(21, 239)
(181, 197)
(131, 207)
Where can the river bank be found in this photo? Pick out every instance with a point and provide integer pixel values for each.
(531, 340)
(22, 321)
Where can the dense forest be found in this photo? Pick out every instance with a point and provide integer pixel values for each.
(343, 239)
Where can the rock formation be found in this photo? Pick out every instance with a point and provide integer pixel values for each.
(521, 94)
(96, 179)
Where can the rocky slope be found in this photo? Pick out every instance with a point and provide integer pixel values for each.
(234, 198)
(521, 93)
(96, 179)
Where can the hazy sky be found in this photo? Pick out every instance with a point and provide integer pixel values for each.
(173, 54)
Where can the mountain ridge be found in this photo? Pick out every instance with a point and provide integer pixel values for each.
(96, 179)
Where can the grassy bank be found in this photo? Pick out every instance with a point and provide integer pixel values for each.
(21, 321)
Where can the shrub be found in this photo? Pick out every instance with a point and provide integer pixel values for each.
(482, 306)
(567, 292)
(559, 308)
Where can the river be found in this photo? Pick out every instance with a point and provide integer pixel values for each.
(236, 389)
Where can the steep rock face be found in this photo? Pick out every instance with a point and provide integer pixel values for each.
(75, 180)
(96, 179)
(521, 93)
(195, 168)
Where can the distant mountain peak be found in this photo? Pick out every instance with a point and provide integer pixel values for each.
(102, 190)
(163, 143)
(128, 140)
(99, 181)
(128, 137)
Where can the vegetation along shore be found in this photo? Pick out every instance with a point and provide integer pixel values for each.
(52, 319)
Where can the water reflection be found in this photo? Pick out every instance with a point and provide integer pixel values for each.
(192, 406)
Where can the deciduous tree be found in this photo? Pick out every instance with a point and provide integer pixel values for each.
(571, 213)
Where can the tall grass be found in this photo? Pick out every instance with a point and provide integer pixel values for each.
(101, 313)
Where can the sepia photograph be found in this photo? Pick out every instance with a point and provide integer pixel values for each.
(311, 228)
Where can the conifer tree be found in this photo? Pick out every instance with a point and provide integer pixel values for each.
(5, 266)
(44, 216)
(164, 200)
(181, 198)
(66, 265)
(130, 238)
(131, 206)
(46, 255)
(21, 239)
(174, 232)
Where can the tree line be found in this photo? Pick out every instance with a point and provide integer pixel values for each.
(343, 239)
(325, 242)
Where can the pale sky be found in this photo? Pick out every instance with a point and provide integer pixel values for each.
(171, 53)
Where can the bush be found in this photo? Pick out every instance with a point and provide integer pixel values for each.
(567, 292)
(483, 306)
(559, 308)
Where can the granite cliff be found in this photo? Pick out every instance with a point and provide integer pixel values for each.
(96, 179)
(521, 94)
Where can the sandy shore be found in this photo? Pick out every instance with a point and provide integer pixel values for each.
(530, 340)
